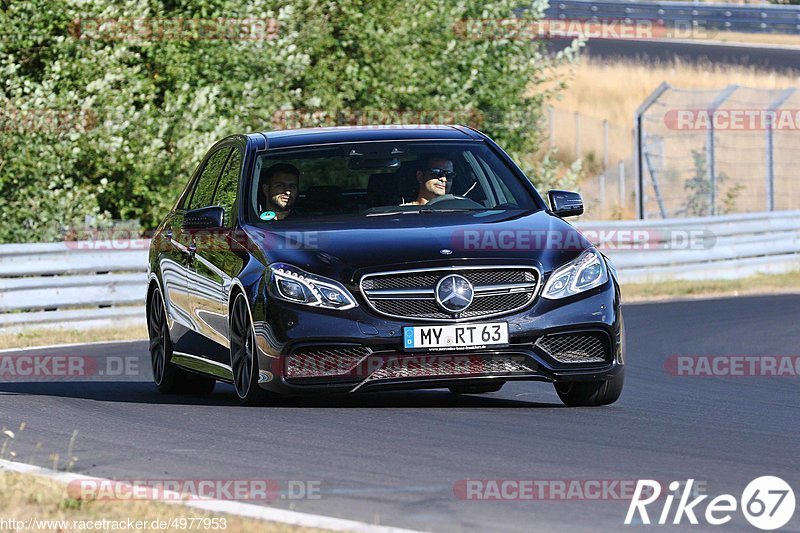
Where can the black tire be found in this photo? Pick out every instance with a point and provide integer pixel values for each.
(591, 393)
(244, 362)
(168, 378)
(481, 388)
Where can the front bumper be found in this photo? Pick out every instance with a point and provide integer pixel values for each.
(303, 350)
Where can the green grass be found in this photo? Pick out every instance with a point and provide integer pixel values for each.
(760, 284)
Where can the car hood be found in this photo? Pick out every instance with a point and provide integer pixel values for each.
(346, 248)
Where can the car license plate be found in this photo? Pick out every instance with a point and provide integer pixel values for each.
(455, 337)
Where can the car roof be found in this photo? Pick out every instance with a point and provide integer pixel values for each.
(347, 134)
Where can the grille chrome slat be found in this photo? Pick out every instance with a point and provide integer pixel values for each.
(409, 294)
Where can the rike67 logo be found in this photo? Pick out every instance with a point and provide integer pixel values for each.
(767, 502)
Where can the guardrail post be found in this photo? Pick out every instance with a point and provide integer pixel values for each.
(770, 117)
(638, 138)
(711, 160)
(602, 194)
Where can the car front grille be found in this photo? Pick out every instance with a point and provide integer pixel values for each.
(324, 361)
(428, 279)
(427, 367)
(593, 347)
(411, 294)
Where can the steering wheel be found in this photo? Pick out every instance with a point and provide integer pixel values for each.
(459, 202)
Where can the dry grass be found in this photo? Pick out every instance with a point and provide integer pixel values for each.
(25, 497)
(612, 90)
(46, 337)
(788, 283)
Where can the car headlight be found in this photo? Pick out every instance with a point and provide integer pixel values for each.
(586, 272)
(291, 284)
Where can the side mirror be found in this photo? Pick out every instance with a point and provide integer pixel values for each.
(204, 218)
(565, 203)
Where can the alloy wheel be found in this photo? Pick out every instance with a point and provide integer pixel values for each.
(242, 347)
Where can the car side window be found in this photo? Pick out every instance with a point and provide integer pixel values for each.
(225, 194)
(203, 192)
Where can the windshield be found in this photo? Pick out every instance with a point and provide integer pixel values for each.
(380, 179)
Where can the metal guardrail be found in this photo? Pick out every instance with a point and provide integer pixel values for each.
(767, 18)
(721, 247)
(70, 285)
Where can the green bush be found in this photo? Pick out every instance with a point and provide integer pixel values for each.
(144, 111)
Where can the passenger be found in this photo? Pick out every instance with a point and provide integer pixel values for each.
(433, 179)
(279, 186)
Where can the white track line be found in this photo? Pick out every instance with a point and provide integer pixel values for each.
(73, 345)
(248, 510)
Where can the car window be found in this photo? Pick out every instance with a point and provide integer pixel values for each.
(203, 192)
(366, 179)
(225, 195)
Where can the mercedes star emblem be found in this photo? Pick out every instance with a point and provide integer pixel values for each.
(454, 293)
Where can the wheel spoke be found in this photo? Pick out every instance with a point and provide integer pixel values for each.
(238, 356)
(236, 337)
(243, 318)
(158, 371)
(235, 326)
(239, 373)
(245, 376)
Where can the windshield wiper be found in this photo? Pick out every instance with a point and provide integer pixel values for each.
(388, 213)
(449, 210)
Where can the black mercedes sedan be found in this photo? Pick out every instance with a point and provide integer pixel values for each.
(356, 259)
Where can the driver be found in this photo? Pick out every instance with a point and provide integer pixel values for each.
(279, 186)
(434, 179)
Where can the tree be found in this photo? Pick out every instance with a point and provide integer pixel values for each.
(141, 112)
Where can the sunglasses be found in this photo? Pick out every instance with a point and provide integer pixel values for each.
(440, 173)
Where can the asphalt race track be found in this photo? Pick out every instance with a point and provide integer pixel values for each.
(766, 57)
(394, 458)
